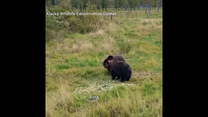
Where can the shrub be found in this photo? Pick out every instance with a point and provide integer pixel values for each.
(57, 27)
(84, 24)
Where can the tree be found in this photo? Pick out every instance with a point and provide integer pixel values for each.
(52, 2)
(104, 4)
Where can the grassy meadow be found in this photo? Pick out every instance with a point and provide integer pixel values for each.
(74, 70)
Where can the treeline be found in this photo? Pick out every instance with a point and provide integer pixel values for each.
(105, 4)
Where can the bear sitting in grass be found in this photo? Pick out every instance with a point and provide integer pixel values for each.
(112, 57)
(119, 69)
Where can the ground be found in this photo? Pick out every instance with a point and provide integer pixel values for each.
(74, 71)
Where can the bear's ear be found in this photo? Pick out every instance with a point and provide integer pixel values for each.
(110, 57)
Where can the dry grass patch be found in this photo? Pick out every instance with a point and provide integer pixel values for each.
(82, 45)
(59, 102)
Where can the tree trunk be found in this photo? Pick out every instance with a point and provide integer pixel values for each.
(52, 2)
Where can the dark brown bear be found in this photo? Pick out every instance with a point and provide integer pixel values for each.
(119, 69)
(112, 57)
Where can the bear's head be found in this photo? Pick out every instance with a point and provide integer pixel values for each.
(110, 57)
(110, 63)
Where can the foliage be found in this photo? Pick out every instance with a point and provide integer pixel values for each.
(58, 26)
(105, 4)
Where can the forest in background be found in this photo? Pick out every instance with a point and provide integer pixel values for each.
(105, 4)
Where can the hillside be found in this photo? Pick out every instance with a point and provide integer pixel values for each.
(74, 71)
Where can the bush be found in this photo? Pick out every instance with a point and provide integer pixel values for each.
(84, 24)
(57, 27)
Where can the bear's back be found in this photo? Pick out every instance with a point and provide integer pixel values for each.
(120, 65)
(118, 57)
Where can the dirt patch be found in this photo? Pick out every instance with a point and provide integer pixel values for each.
(99, 87)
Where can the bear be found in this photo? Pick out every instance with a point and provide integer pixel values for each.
(119, 69)
(112, 57)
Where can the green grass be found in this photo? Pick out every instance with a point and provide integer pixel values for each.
(74, 71)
